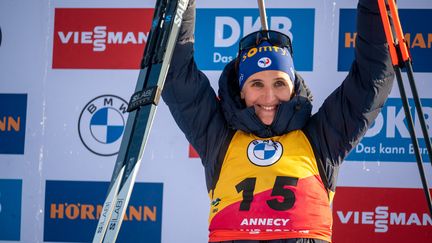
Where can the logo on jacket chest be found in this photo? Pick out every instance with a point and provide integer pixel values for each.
(264, 152)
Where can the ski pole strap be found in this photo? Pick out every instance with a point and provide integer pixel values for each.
(398, 48)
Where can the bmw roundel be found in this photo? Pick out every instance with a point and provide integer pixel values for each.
(264, 152)
(102, 123)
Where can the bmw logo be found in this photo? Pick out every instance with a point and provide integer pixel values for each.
(102, 123)
(264, 152)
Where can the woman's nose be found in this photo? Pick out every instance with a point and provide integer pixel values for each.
(269, 94)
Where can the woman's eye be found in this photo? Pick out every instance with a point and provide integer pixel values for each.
(257, 84)
(279, 83)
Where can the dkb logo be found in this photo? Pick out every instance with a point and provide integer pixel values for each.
(218, 32)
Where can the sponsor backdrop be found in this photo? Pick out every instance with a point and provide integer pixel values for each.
(68, 69)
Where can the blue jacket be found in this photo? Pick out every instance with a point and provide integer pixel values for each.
(209, 122)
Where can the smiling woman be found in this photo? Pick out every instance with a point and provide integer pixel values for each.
(270, 165)
(264, 91)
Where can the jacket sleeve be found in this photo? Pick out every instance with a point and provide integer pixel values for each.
(189, 96)
(347, 113)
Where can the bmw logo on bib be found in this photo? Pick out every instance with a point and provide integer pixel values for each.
(264, 152)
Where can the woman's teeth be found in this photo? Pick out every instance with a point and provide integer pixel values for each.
(268, 108)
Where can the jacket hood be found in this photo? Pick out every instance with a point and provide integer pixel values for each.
(291, 115)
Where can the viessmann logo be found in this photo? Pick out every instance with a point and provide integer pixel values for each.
(383, 219)
(381, 214)
(100, 38)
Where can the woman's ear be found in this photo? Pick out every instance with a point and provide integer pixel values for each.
(242, 96)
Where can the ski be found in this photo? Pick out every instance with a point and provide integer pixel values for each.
(155, 64)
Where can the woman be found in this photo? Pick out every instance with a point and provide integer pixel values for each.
(270, 165)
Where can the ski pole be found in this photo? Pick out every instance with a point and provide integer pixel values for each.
(407, 62)
(263, 15)
(400, 58)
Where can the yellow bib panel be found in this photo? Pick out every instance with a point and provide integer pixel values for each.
(269, 189)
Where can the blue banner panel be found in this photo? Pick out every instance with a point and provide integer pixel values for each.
(388, 138)
(13, 110)
(218, 32)
(417, 30)
(10, 209)
(72, 210)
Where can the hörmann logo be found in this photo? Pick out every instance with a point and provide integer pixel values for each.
(100, 38)
(72, 210)
(414, 40)
(78, 211)
(101, 124)
(418, 34)
(381, 214)
(388, 138)
(219, 45)
(13, 113)
(10, 209)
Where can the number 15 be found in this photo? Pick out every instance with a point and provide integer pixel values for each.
(248, 186)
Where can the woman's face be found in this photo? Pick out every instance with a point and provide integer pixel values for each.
(264, 91)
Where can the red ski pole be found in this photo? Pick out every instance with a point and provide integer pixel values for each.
(400, 57)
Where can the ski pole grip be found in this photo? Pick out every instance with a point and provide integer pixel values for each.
(388, 31)
(399, 33)
(397, 45)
